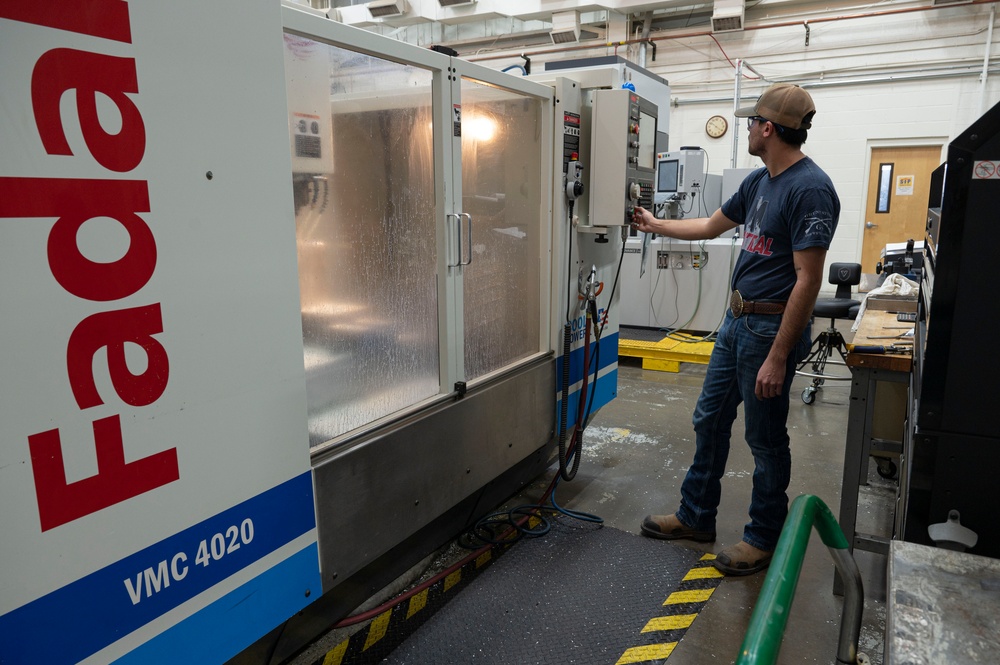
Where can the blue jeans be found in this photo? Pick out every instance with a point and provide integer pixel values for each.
(740, 349)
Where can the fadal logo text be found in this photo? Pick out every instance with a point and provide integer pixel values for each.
(73, 202)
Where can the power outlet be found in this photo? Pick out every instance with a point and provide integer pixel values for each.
(674, 260)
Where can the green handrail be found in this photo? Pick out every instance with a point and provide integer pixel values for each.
(767, 623)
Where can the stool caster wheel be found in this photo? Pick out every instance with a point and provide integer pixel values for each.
(886, 468)
(809, 395)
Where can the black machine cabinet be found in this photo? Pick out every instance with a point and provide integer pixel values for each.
(955, 457)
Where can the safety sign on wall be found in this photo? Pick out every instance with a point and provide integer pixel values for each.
(904, 185)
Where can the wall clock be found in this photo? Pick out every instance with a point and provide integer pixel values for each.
(716, 126)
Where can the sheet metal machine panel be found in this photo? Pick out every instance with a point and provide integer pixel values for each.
(588, 247)
(157, 500)
(577, 82)
(954, 441)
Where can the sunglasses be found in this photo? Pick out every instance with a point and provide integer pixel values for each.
(756, 118)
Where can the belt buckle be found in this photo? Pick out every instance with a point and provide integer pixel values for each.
(736, 304)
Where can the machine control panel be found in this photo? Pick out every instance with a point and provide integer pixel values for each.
(571, 138)
(646, 195)
(624, 156)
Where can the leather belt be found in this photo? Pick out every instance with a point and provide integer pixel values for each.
(738, 306)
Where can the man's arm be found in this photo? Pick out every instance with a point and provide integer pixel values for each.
(698, 228)
(798, 310)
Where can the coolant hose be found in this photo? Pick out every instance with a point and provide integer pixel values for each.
(576, 443)
(564, 407)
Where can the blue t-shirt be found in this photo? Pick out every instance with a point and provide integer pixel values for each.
(793, 211)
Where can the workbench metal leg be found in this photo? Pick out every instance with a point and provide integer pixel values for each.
(858, 420)
(872, 377)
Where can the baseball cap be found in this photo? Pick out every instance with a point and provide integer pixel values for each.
(784, 104)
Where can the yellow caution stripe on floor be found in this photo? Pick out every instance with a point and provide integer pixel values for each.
(686, 597)
(646, 653)
(703, 573)
(371, 643)
(675, 622)
(682, 607)
(336, 655)
(417, 603)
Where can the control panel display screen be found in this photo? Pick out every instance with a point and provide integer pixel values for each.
(647, 140)
(666, 176)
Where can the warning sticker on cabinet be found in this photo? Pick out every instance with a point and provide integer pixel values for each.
(986, 170)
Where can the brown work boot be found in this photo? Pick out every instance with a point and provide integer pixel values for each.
(669, 527)
(742, 559)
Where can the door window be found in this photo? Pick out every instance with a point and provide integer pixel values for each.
(361, 131)
(501, 190)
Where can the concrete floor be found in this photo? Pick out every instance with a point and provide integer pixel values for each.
(636, 452)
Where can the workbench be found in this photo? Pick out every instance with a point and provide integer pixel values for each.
(943, 606)
(872, 374)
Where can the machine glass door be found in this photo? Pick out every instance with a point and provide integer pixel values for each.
(361, 137)
(501, 202)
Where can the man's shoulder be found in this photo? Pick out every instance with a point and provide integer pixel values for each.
(807, 176)
(755, 177)
(808, 168)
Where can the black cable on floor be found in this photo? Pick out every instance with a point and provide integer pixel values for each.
(505, 527)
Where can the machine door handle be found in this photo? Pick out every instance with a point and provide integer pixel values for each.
(469, 241)
(458, 218)
(869, 225)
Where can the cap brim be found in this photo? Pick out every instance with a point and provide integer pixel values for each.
(746, 112)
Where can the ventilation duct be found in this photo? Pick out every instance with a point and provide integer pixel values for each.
(387, 8)
(565, 27)
(459, 3)
(728, 15)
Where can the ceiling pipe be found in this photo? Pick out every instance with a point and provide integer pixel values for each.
(827, 83)
(708, 33)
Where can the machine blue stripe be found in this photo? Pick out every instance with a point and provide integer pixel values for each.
(609, 356)
(238, 619)
(87, 615)
(607, 390)
(607, 385)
